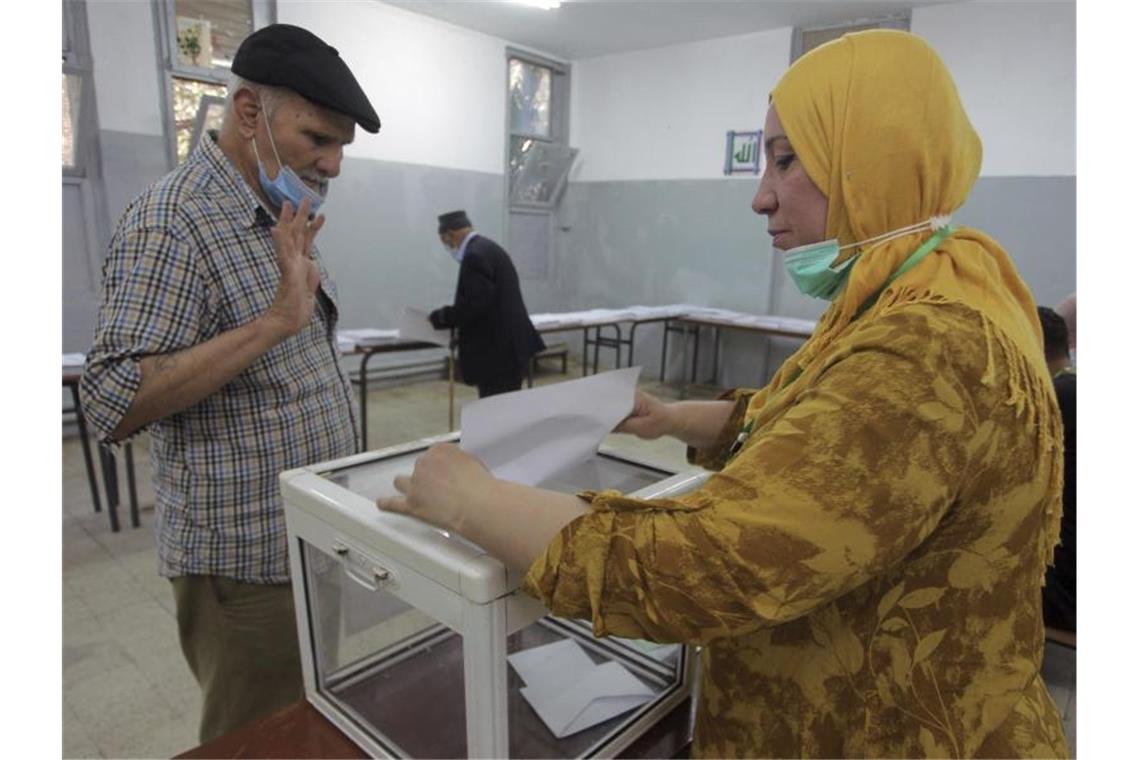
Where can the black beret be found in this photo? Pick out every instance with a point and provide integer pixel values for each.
(282, 55)
(453, 220)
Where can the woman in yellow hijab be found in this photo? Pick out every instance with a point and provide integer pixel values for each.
(864, 568)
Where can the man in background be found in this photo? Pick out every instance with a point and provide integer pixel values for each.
(217, 333)
(1068, 311)
(496, 336)
(1059, 597)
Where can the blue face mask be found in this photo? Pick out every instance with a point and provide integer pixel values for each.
(810, 266)
(286, 186)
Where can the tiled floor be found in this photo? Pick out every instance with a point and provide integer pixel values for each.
(126, 689)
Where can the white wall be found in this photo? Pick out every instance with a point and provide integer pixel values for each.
(440, 90)
(1015, 65)
(127, 95)
(663, 113)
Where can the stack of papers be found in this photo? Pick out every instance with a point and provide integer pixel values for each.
(569, 692)
(657, 312)
(74, 360)
(366, 336)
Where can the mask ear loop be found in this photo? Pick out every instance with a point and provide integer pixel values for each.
(272, 143)
(934, 224)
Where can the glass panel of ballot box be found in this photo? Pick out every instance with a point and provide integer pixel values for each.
(417, 643)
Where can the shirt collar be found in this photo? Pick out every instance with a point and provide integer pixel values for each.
(241, 195)
(462, 251)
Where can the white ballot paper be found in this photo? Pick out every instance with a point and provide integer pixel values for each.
(415, 325)
(569, 692)
(527, 436)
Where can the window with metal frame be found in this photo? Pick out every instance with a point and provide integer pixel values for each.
(806, 38)
(77, 92)
(199, 39)
(538, 158)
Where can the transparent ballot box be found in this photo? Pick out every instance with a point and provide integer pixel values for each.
(415, 642)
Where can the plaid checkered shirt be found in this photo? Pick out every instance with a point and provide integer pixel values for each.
(192, 258)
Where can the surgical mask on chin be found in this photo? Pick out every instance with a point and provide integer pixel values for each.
(287, 186)
(810, 266)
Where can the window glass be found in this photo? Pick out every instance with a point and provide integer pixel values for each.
(188, 94)
(72, 88)
(529, 92)
(209, 31)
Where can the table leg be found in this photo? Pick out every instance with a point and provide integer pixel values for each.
(633, 329)
(585, 351)
(664, 348)
(716, 352)
(684, 357)
(111, 483)
(135, 522)
(364, 399)
(450, 388)
(696, 349)
(83, 440)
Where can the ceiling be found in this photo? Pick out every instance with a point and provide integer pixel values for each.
(586, 28)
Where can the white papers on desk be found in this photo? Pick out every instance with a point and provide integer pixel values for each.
(588, 318)
(569, 692)
(74, 360)
(708, 312)
(416, 325)
(530, 435)
(657, 312)
(804, 327)
(366, 336)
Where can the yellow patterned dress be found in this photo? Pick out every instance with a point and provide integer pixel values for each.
(864, 575)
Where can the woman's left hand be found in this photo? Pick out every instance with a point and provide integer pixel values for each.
(443, 487)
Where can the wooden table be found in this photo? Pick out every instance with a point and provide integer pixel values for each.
(300, 731)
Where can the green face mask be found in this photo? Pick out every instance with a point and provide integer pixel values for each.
(810, 266)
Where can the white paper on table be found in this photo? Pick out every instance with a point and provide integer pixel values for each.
(74, 360)
(416, 325)
(805, 326)
(600, 694)
(527, 436)
(368, 336)
(557, 663)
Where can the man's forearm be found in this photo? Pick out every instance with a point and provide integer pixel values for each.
(178, 380)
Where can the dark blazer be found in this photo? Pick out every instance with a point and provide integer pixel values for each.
(496, 337)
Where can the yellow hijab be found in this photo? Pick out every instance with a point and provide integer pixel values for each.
(876, 121)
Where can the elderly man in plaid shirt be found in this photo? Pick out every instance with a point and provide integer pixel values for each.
(217, 332)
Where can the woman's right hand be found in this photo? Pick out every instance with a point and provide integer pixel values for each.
(650, 418)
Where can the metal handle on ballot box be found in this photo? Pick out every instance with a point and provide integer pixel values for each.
(366, 571)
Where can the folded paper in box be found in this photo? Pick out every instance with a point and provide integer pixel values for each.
(569, 692)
